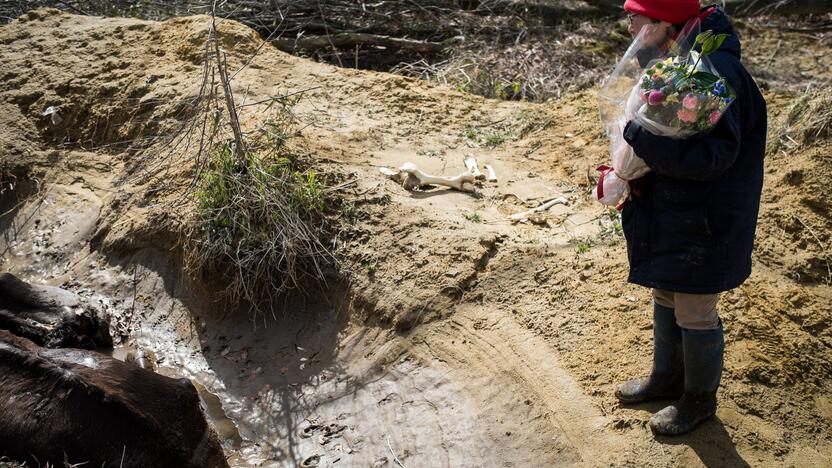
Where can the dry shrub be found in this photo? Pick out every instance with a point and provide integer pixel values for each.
(257, 229)
(808, 119)
(534, 65)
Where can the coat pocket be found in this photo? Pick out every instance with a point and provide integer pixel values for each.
(682, 223)
(681, 213)
(635, 222)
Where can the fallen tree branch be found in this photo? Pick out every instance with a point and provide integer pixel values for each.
(347, 40)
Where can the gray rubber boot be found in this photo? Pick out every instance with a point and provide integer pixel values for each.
(666, 381)
(703, 352)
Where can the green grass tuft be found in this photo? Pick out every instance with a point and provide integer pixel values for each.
(473, 217)
(259, 225)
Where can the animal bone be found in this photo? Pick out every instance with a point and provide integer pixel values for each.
(524, 216)
(492, 176)
(52, 113)
(411, 177)
(471, 164)
(514, 195)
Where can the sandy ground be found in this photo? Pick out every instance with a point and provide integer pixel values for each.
(451, 339)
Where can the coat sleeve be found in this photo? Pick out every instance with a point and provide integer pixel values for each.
(703, 158)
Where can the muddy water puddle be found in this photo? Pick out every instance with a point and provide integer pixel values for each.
(39, 240)
(211, 404)
(357, 404)
(214, 412)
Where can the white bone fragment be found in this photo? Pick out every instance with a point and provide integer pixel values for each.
(389, 172)
(514, 195)
(52, 112)
(471, 164)
(524, 216)
(410, 176)
(492, 176)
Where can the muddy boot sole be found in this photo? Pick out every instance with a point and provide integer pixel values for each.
(682, 417)
(660, 387)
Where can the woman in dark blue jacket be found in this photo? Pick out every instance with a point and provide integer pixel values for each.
(690, 226)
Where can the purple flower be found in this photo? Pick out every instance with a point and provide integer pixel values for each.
(656, 97)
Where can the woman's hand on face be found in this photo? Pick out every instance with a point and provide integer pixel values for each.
(656, 32)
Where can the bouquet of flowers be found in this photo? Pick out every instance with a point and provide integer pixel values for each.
(677, 94)
(680, 99)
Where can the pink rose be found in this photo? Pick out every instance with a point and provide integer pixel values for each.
(643, 96)
(656, 97)
(690, 101)
(714, 117)
(687, 115)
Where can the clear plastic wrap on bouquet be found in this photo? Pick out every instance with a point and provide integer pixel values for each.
(666, 87)
(627, 165)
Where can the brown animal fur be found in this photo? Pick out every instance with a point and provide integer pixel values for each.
(50, 316)
(88, 407)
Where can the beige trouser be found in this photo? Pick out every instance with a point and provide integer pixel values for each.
(693, 311)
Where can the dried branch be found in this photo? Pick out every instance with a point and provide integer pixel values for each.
(346, 40)
(222, 69)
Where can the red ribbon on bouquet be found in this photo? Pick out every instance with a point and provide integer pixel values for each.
(606, 170)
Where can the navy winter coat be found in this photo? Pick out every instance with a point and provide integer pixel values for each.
(691, 227)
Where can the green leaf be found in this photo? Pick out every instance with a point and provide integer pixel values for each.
(719, 40)
(708, 46)
(701, 38)
(713, 43)
(705, 78)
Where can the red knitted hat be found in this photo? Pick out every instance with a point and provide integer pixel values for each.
(672, 11)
